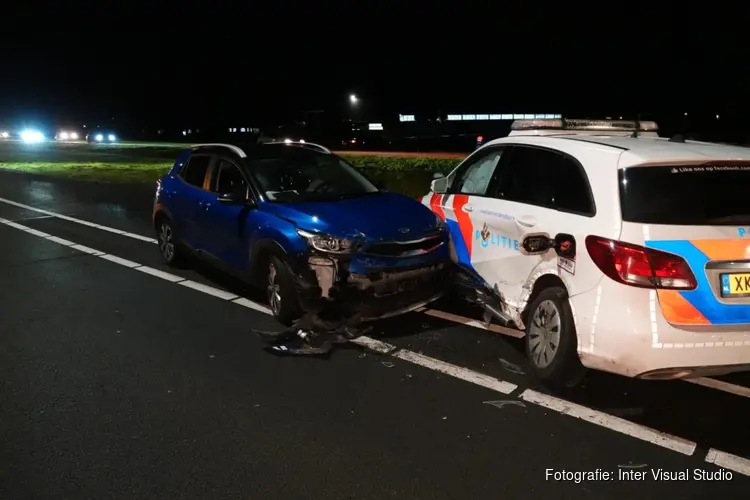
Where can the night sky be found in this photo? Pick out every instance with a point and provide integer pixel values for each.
(158, 65)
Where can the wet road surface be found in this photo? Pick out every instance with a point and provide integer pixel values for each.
(118, 380)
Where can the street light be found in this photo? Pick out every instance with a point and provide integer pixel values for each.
(353, 99)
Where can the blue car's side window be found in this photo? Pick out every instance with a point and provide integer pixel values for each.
(194, 173)
(229, 179)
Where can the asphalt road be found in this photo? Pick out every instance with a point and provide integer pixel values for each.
(120, 381)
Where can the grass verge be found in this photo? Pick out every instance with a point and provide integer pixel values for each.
(409, 175)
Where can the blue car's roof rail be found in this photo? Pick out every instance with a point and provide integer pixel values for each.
(309, 145)
(235, 149)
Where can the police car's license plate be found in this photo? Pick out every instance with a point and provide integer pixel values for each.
(735, 285)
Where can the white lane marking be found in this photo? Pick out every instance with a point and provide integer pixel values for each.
(119, 260)
(610, 422)
(173, 278)
(720, 385)
(78, 221)
(209, 290)
(457, 371)
(14, 225)
(242, 301)
(455, 318)
(374, 344)
(60, 241)
(37, 233)
(89, 250)
(728, 461)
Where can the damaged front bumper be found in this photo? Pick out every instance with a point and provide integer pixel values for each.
(357, 288)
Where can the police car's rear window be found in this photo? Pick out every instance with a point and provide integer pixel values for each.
(696, 195)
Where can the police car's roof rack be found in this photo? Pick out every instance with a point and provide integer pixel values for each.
(567, 126)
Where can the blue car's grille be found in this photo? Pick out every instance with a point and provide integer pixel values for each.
(406, 248)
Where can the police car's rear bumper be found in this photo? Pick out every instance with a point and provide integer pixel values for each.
(622, 330)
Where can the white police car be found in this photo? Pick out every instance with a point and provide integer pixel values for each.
(654, 281)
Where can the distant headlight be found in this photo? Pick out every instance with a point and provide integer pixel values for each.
(63, 136)
(99, 137)
(32, 136)
(4, 135)
(326, 243)
(74, 136)
(111, 137)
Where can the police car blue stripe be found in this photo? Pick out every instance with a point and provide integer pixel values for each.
(462, 252)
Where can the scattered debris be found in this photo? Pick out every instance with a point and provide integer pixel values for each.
(425, 325)
(501, 404)
(445, 418)
(211, 356)
(428, 337)
(508, 366)
(362, 355)
(169, 391)
(387, 364)
(406, 377)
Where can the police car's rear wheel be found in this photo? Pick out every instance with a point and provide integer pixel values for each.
(551, 340)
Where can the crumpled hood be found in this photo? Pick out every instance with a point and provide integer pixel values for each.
(383, 216)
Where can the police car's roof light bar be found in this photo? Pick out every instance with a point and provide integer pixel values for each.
(593, 125)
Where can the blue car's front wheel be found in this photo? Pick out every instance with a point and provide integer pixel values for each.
(281, 293)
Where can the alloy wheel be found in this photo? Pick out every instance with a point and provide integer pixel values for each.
(166, 243)
(544, 334)
(273, 291)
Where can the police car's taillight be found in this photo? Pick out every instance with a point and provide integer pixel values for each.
(639, 266)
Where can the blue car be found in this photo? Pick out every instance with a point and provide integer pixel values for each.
(304, 226)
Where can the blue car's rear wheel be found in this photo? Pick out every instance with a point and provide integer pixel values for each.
(281, 293)
(169, 246)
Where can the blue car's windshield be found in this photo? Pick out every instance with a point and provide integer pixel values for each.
(309, 177)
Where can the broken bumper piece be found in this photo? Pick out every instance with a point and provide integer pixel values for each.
(349, 289)
(307, 338)
(339, 295)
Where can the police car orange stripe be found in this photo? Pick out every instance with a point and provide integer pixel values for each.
(463, 219)
(723, 249)
(677, 310)
(436, 204)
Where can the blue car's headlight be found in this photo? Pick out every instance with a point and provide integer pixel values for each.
(326, 243)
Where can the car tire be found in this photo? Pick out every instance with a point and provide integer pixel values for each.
(551, 341)
(281, 293)
(170, 248)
